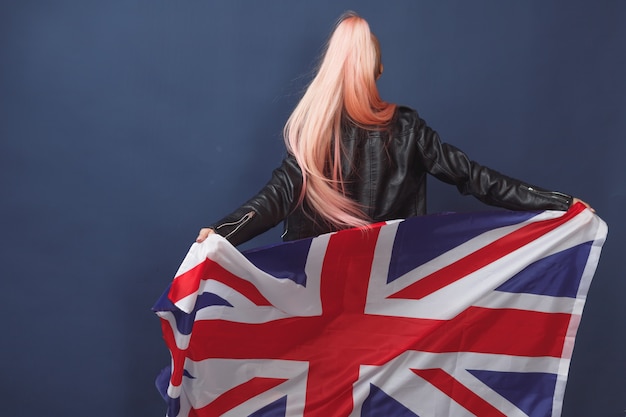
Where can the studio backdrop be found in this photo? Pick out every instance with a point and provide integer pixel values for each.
(126, 126)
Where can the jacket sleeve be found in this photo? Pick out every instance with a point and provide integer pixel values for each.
(452, 166)
(267, 208)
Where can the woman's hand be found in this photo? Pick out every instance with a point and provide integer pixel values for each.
(204, 233)
(578, 200)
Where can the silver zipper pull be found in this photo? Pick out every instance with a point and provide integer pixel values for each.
(238, 224)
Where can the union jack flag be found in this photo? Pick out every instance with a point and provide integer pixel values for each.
(435, 316)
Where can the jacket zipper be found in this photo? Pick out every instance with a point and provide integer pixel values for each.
(238, 224)
(559, 196)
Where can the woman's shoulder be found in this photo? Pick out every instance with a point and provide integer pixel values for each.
(405, 110)
(407, 119)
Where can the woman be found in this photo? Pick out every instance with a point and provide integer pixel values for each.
(354, 159)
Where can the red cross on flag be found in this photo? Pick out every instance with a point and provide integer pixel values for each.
(435, 316)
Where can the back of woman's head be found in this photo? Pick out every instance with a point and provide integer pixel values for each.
(344, 89)
(353, 56)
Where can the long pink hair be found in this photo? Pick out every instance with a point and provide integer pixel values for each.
(343, 88)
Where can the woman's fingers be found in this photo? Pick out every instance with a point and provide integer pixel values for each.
(578, 200)
(204, 233)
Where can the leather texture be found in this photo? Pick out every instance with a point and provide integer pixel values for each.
(385, 171)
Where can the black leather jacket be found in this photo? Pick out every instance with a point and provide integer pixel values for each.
(385, 172)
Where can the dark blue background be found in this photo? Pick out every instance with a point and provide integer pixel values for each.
(126, 125)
